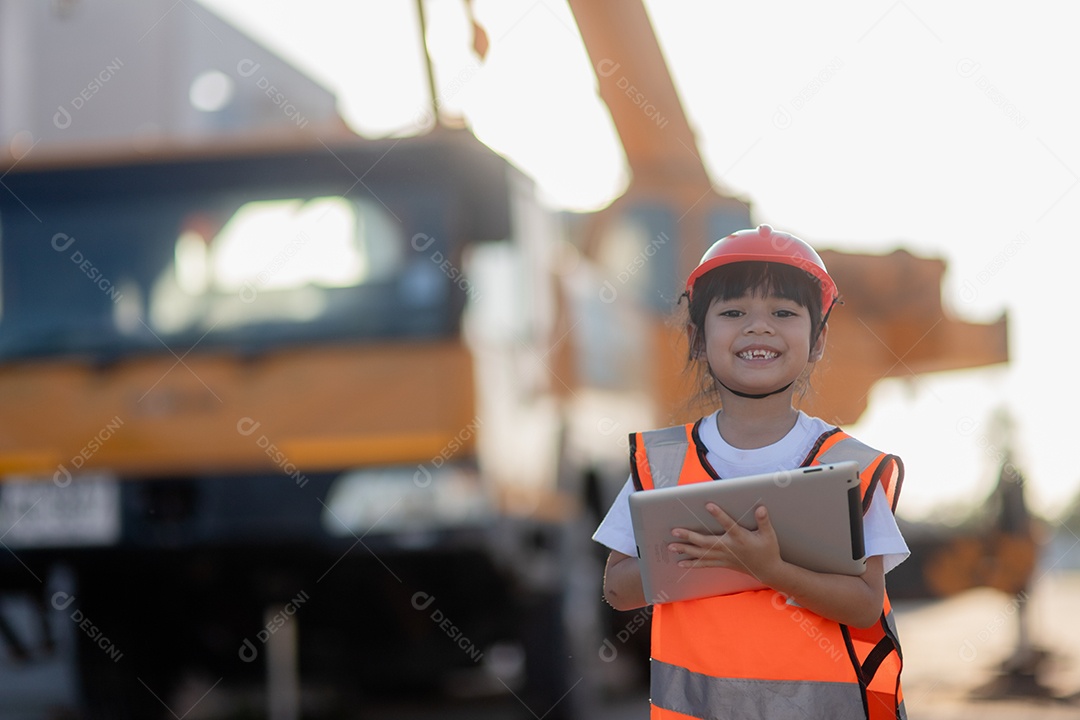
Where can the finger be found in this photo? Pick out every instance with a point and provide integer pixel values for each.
(696, 536)
(688, 550)
(764, 523)
(691, 551)
(690, 538)
(693, 556)
(725, 520)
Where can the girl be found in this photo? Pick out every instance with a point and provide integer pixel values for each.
(810, 645)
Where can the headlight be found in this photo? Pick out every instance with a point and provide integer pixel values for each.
(404, 499)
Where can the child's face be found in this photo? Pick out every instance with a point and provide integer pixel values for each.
(758, 343)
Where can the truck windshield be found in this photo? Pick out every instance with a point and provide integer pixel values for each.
(117, 273)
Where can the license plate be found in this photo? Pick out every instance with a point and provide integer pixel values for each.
(41, 513)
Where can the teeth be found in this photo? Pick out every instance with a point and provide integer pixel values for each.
(758, 354)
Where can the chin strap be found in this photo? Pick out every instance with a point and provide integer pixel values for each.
(756, 396)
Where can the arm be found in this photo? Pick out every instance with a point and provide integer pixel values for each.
(622, 582)
(854, 600)
(850, 600)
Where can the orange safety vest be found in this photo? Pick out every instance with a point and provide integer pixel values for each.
(751, 654)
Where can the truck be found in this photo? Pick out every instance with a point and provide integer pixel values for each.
(242, 425)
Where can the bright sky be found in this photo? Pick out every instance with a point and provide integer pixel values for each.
(949, 129)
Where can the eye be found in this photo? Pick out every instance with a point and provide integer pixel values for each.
(785, 313)
(731, 313)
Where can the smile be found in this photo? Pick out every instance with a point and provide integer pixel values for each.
(758, 354)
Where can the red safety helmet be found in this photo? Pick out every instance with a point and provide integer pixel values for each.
(764, 244)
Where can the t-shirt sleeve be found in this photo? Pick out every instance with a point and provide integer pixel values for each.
(881, 534)
(616, 531)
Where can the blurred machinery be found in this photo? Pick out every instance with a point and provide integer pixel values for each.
(892, 323)
(286, 408)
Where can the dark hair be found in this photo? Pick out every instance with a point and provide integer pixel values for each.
(747, 278)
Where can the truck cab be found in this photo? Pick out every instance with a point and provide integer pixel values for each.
(249, 437)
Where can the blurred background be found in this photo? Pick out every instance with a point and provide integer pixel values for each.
(323, 325)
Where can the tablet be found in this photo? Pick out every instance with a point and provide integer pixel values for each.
(816, 512)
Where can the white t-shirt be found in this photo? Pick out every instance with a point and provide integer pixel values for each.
(881, 535)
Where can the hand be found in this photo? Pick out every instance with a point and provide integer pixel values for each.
(755, 552)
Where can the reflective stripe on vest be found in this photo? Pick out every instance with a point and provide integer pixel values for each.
(665, 453)
(838, 446)
(790, 662)
(693, 694)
